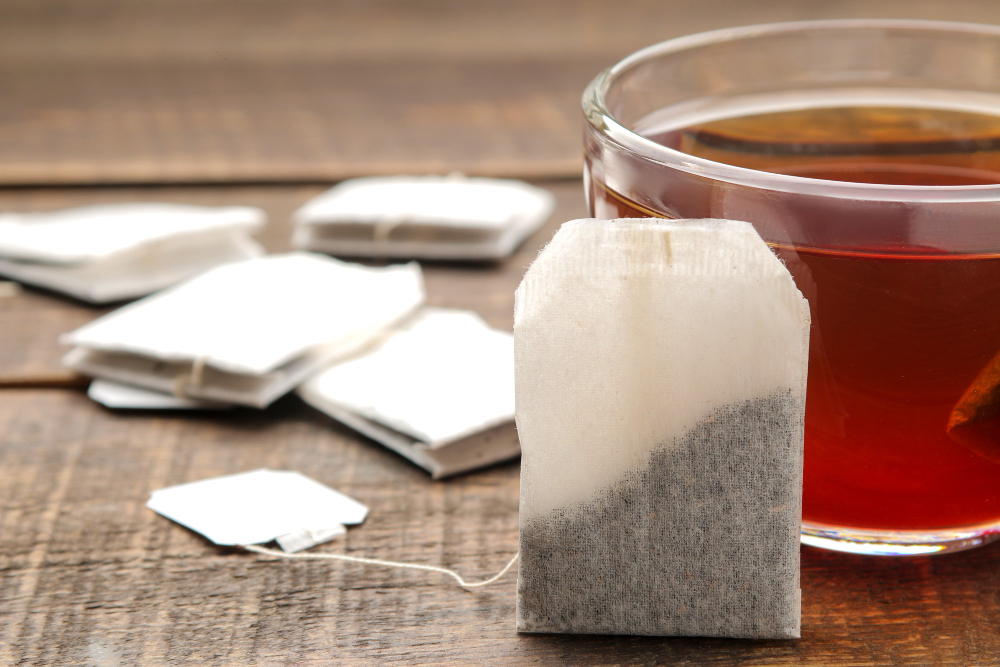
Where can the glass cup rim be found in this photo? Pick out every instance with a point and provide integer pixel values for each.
(601, 121)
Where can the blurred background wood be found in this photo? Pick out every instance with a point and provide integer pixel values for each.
(283, 98)
(153, 91)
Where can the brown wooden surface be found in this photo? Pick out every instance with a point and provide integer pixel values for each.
(88, 576)
(116, 91)
(303, 90)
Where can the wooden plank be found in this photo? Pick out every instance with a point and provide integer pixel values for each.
(305, 90)
(89, 576)
(31, 322)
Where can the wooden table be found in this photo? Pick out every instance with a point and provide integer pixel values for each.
(265, 103)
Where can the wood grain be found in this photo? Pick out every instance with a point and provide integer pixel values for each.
(113, 91)
(30, 323)
(89, 576)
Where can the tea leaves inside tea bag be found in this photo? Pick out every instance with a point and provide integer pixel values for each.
(660, 377)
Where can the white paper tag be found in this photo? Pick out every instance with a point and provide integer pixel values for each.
(260, 506)
(441, 376)
(76, 235)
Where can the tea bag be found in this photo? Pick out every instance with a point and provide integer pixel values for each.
(121, 251)
(427, 217)
(975, 419)
(660, 375)
(438, 389)
(258, 507)
(249, 332)
(124, 397)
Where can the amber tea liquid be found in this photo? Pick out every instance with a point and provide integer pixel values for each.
(902, 337)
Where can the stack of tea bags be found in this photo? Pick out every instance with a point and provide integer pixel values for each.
(249, 332)
(661, 369)
(429, 217)
(122, 251)
(438, 389)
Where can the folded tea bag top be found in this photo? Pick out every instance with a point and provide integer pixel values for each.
(660, 377)
(441, 380)
(435, 217)
(246, 332)
(118, 251)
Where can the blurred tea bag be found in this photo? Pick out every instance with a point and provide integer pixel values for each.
(125, 397)
(426, 217)
(661, 376)
(260, 506)
(121, 251)
(438, 389)
(249, 332)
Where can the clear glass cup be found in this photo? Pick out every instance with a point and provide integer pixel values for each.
(903, 280)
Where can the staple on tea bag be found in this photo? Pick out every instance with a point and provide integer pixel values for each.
(120, 251)
(660, 375)
(429, 217)
(248, 332)
(437, 388)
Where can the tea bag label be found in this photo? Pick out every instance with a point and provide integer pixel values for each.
(660, 393)
(259, 506)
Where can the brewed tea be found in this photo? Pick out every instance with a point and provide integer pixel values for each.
(901, 335)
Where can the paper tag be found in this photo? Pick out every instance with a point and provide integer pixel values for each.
(259, 506)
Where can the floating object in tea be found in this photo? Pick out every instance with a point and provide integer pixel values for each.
(975, 421)
(660, 393)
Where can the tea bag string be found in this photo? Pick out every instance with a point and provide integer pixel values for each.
(264, 551)
(193, 379)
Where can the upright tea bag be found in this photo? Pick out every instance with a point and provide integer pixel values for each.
(660, 390)
(122, 251)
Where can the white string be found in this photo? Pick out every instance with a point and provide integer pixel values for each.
(186, 381)
(264, 551)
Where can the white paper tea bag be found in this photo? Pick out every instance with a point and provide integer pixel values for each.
(121, 251)
(661, 369)
(260, 506)
(427, 217)
(249, 332)
(438, 389)
(124, 397)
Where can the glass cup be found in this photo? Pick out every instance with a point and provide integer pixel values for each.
(902, 436)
